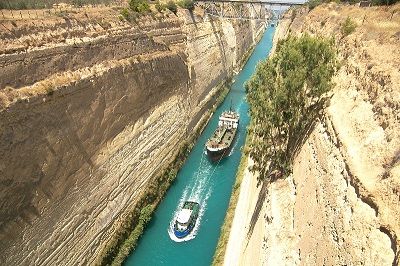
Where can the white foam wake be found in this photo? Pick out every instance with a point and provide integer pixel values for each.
(198, 191)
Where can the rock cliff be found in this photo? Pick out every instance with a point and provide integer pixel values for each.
(91, 109)
(340, 205)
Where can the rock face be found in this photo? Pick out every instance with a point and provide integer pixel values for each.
(340, 205)
(92, 107)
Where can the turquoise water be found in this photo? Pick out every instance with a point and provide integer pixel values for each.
(204, 182)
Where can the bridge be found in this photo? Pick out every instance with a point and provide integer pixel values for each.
(246, 9)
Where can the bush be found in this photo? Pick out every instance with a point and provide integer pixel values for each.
(384, 2)
(313, 3)
(348, 27)
(145, 214)
(140, 6)
(172, 6)
(187, 4)
(160, 7)
(287, 93)
(22, 5)
(125, 13)
(78, 3)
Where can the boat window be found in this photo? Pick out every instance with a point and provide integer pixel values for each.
(182, 226)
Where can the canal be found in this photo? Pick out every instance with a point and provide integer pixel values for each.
(203, 182)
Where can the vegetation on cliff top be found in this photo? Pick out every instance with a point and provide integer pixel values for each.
(287, 94)
(314, 3)
(187, 4)
(39, 4)
(139, 6)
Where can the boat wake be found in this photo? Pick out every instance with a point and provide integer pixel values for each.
(234, 146)
(199, 191)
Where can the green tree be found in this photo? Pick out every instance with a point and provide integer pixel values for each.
(287, 93)
(139, 6)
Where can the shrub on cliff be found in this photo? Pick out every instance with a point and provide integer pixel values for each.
(78, 3)
(187, 4)
(172, 6)
(160, 7)
(287, 94)
(314, 3)
(348, 27)
(125, 13)
(384, 2)
(140, 6)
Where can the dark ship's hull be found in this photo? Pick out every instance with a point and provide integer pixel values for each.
(220, 143)
(216, 155)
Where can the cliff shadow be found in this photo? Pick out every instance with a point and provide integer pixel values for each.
(220, 45)
(193, 18)
(257, 209)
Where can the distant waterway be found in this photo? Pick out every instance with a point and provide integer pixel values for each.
(201, 181)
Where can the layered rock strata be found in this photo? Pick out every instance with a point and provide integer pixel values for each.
(342, 202)
(92, 108)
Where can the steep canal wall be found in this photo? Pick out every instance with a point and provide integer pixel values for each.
(92, 107)
(341, 202)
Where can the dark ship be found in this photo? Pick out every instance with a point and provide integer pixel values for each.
(219, 145)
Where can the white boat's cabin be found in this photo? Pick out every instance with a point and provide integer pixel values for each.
(183, 218)
(229, 119)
